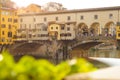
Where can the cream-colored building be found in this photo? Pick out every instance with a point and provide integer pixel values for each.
(90, 22)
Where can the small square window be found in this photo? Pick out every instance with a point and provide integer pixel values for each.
(3, 39)
(56, 27)
(51, 27)
(119, 34)
(45, 19)
(9, 26)
(68, 28)
(56, 18)
(81, 17)
(62, 27)
(3, 32)
(110, 16)
(68, 18)
(95, 16)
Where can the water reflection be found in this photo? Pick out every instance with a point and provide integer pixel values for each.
(104, 53)
(79, 53)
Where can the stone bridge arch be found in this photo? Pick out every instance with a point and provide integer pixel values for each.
(25, 48)
(109, 28)
(80, 49)
(85, 45)
(91, 41)
(82, 29)
(95, 29)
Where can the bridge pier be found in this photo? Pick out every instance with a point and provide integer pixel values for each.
(66, 53)
(65, 50)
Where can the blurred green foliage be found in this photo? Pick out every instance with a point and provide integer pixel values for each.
(28, 68)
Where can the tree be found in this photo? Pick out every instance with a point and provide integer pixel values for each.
(53, 6)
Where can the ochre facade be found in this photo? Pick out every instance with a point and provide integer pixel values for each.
(8, 24)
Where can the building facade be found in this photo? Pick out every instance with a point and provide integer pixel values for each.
(8, 23)
(82, 22)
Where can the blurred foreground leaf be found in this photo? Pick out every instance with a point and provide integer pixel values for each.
(28, 68)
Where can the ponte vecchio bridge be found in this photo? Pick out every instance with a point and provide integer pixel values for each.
(67, 30)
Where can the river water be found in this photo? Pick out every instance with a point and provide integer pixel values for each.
(104, 53)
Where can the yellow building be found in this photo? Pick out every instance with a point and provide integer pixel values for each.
(8, 24)
(54, 30)
(118, 31)
(61, 31)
